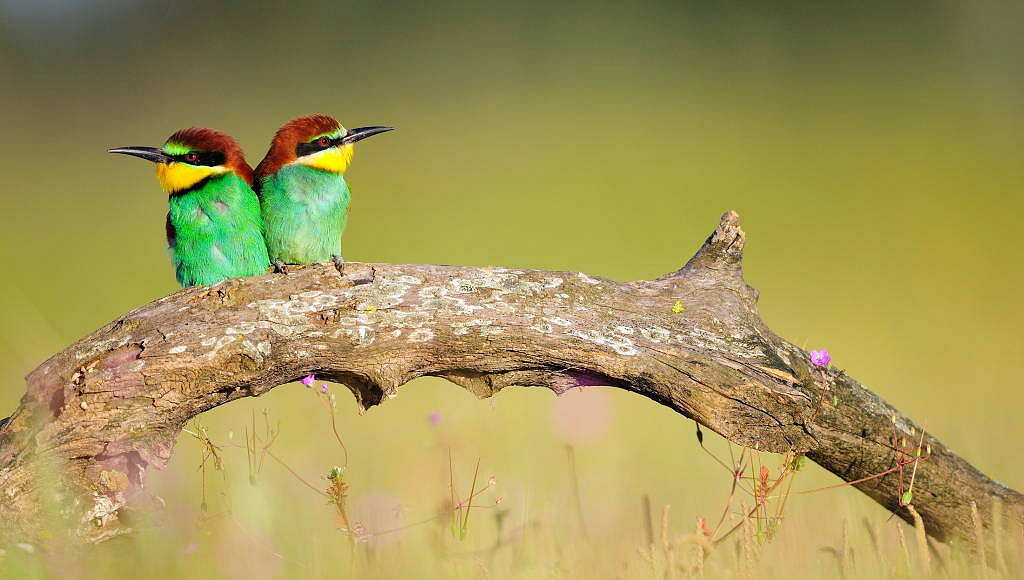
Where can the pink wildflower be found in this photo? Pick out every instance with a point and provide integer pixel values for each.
(308, 380)
(820, 358)
(435, 418)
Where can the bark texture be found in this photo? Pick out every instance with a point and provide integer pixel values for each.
(97, 416)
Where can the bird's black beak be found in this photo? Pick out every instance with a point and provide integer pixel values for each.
(361, 133)
(148, 153)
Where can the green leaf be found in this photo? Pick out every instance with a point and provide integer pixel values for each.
(798, 463)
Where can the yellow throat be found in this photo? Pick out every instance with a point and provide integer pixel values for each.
(335, 159)
(178, 176)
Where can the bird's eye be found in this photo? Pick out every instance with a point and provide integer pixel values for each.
(191, 157)
(323, 142)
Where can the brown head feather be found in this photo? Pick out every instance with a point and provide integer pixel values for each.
(282, 148)
(203, 139)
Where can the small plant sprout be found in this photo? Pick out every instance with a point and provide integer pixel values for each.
(211, 455)
(908, 496)
(761, 493)
(798, 463)
(327, 398)
(257, 447)
(469, 503)
(337, 495)
(460, 509)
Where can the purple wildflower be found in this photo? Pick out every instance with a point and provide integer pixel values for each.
(324, 388)
(820, 358)
(308, 380)
(434, 418)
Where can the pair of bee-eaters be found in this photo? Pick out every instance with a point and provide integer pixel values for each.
(226, 221)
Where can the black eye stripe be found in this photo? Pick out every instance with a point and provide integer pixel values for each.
(314, 146)
(207, 158)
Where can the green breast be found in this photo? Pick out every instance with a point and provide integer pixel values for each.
(305, 212)
(215, 232)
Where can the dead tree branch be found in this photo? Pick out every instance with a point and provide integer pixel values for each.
(98, 415)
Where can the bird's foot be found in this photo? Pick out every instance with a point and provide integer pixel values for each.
(280, 267)
(339, 263)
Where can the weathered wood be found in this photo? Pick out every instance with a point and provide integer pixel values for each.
(98, 415)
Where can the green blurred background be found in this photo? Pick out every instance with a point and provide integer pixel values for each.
(874, 153)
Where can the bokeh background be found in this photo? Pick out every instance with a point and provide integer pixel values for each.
(874, 152)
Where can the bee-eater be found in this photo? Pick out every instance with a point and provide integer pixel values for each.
(214, 228)
(302, 189)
